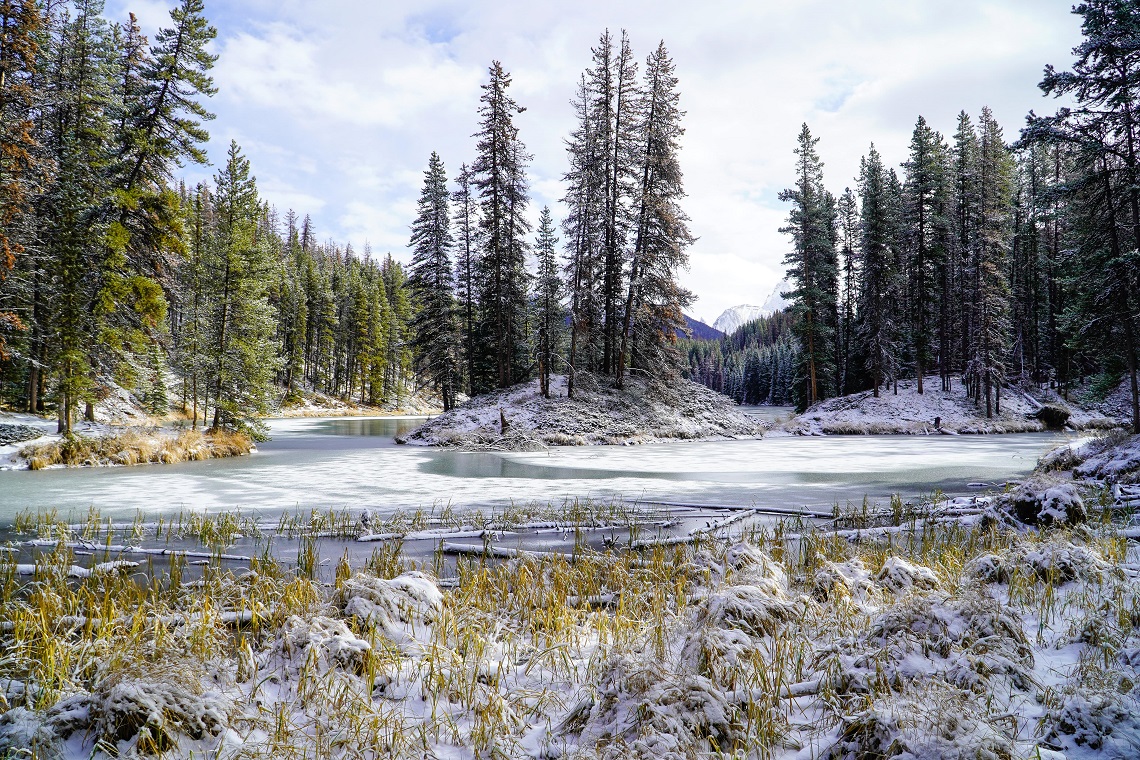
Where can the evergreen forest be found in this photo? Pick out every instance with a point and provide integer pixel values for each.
(983, 264)
(114, 274)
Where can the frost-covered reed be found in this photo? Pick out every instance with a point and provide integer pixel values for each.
(938, 631)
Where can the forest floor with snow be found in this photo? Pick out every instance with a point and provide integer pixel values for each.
(310, 403)
(941, 629)
(936, 411)
(598, 414)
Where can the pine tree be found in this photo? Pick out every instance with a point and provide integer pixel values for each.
(500, 178)
(158, 127)
(244, 356)
(876, 269)
(20, 27)
(813, 268)
(548, 300)
(434, 328)
(466, 268)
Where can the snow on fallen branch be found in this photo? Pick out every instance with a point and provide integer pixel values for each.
(127, 549)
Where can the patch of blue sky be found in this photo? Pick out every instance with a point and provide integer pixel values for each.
(767, 195)
(437, 27)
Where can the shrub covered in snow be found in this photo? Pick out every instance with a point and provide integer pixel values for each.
(925, 721)
(133, 715)
(396, 606)
(835, 581)
(1105, 721)
(1049, 500)
(641, 708)
(899, 576)
(319, 642)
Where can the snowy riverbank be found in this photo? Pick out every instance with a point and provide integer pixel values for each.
(933, 631)
(598, 414)
(936, 411)
(31, 442)
(313, 404)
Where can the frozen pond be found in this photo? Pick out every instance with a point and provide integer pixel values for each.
(345, 462)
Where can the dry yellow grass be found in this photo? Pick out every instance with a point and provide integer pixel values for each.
(782, 642)
(137, 447)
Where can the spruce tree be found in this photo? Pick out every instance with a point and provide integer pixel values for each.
(20, 27)
(655, 300)
(925, 244)
(434, 328)
(1102, 132)
(988, 343)
(876, 269)
(613, 113)
(396, 343)
(813, 268)
(964, 237)
(548, 300)
(71, 225)
(848, 220)
(243, 353)
(583, 226)
(500, 177)
(466, 268)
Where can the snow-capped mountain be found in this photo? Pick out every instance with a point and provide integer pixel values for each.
(776, 302)
(736, 316)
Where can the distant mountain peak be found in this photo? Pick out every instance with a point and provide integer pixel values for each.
(699, 330)
(734, 317)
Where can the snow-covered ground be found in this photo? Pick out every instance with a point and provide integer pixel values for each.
(313, 404)
(936, 632)
(908, 412)
(9, 452)
(598, 414)
(1113, 459)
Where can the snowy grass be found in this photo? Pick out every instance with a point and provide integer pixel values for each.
(925, 629)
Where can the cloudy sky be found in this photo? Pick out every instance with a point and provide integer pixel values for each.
(339, 103)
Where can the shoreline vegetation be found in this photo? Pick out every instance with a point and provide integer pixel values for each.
(138, 446)
(642, 412)
(904, 411)
(125, 434)
(520, 418)
(945, 628)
